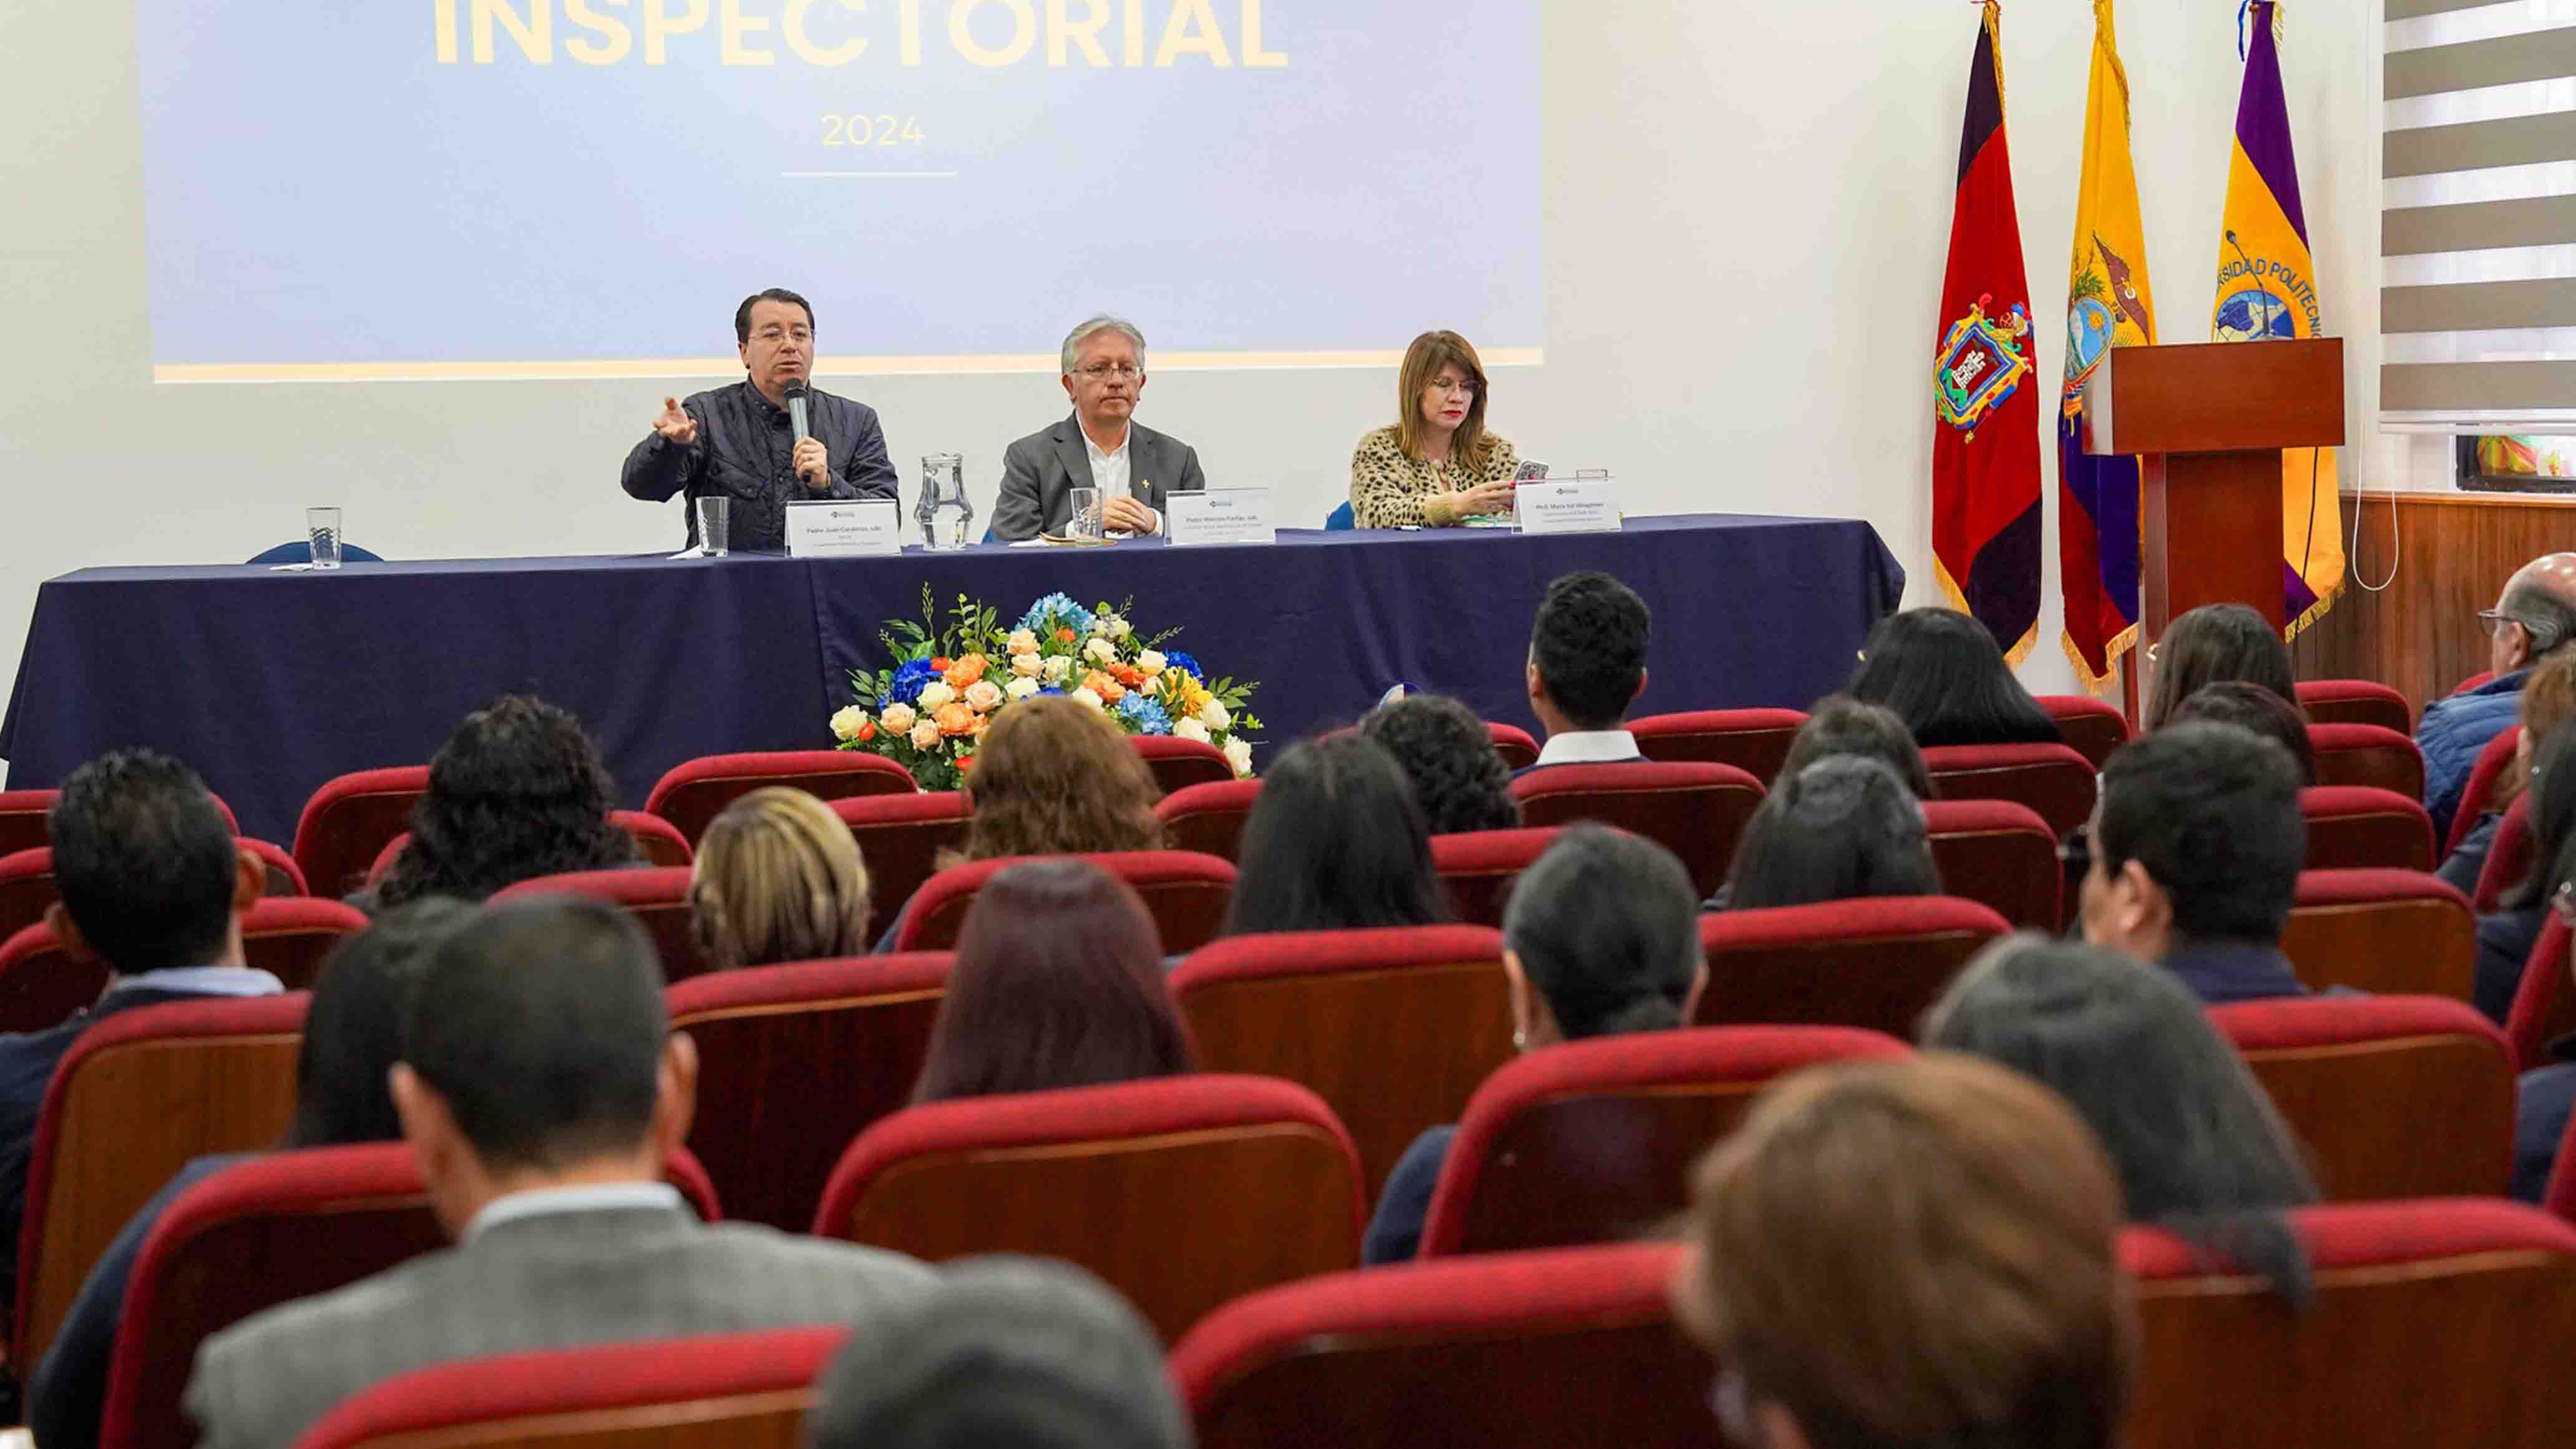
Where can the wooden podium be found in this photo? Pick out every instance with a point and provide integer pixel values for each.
(2208, 422)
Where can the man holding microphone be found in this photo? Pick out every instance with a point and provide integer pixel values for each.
(746, 443)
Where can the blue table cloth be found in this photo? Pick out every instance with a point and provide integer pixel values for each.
(271, 683)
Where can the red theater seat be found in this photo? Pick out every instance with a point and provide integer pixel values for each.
(23, 812)
(692, 794)
(766, 1035)
(2382, 931)
(1479, 866)
(900, 839)
(656, 896)
(349, 820)
(2355, 701)
(1186, 894)
(1177, 764)
(285, 877)
(1574, 1347)
(2544, 1008)
(1593, 1141)
(26, 889)
(2510, 852)
(2394, 1096)
(2478, 796)
(2053, 780)
(1999, 854)
(1695, 811)
(41, 984)
(2361, 754)
(1755, 741)
(1518, 748)
(1346, 1013)
(658, 840)
(1868, 963)
(1208, 819)
(1181, 1192)
(2354, 827)
(2093, 728)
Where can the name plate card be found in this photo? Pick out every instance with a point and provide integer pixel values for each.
(1220, 515)
(1568, 505)
(843, 528)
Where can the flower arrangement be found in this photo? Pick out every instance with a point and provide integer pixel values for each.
(928, 709)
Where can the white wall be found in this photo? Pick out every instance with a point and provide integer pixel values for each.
(1746, 207)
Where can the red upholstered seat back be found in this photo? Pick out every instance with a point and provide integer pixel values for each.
(1177, 764)
(349, 819)
(2363, 754)
(285, 877)
(1181, 1192)
(2478, 796)
(1344, 1014)
(2394, 1096)
(1998, 853)
(721, 1391)
(656, 896)
(1868, 963)
(658, 840)
(2355, 701)
(1696, 811)
(693, 793)
(2510, 852)
(23, 812)
(2416, 1304)
(2383, 931)
(1593, 1141)
(766, 1035)
(1755, 741)
(42, 985)
(1185, 893)
(1570, 1347)
(2544, 1008)
(2093, 728)
(26, 888)
(900, 839)
(267, 1231)
(2355, 827)
(2053, 780)
(1208, 819)
(1479, 866)
(1517, 747)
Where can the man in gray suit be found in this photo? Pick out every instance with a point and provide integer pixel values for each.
(1100, 446)
(541, 1088)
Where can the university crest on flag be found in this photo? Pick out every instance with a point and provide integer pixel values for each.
(1981, 365)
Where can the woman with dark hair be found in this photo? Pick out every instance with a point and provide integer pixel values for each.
(1335, 842)
(2507, 933)
(2548, 700)
(352, 1038)
(1058, 983)
(1842, 725)
(2252, 706)
(1840, 829)
(1942, 674)
(1444, 749)
(1055, 777)
(1601, 939)
(2212, 643)
(2199, 1147)
(518, 791)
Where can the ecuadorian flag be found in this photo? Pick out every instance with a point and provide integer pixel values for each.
(2108, 304)
(2267, 290)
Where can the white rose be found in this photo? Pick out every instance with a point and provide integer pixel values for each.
(1120, 628)
(1101, 624)
(925, 736)
(1150, 661)
(936, 693)
(897, 719)
(1026, 666)
(1213, 715)
(847, 724)
(1190, 729)
(983, 695)
(1058, 669)
(1238, 753)
(1100, 651)
(1085, 696)
(1022, 641)
(1020, 689)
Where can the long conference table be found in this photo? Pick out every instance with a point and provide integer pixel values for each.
(271, 683)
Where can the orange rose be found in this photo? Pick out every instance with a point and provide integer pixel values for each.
(965, 763)
(1064, 636)
(941, 662)
(1109, 690)
(867, 731)
(1127, 674)
(965, 672)
(954, 718)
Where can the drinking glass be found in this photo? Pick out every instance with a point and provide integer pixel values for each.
(1084, 524)
(322, 527)
(715, 523)
(943, 512)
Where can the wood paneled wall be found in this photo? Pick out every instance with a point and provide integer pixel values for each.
(2421, 635)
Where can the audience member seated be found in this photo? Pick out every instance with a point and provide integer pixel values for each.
(2507, 933)
(2532, 620)
(1458, 778)
(1940, 672)
(1601, 939)
(1842, 725)
(2255, 707)
(541, 1089)
(1334, 842)
(1058, 983)
(518, 791)
(154, 885)
(2546, 1096)
(2198, 1145)
(778, 878)
(2548, 700)
(352, 1038)
(1911, 1254)
(2213, 644)
(1841, 828)
(1019, 1352)
(2195, 851)
(1587, 664)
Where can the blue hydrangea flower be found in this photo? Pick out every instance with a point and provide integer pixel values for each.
(1143, 715)
(1049, 689)
(1068, 614)
(909, 680)
(1176, 659)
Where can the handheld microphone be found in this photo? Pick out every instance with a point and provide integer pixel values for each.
(796, 415)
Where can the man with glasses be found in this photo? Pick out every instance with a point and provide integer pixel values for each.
(738, 442)
(1101, 446)
(2534, 618)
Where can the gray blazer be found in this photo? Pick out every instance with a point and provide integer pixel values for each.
(1039, 471)
(609, 1275)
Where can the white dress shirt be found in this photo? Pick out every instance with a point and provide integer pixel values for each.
(594, 1197)
(1588, 747)
(1113, 473)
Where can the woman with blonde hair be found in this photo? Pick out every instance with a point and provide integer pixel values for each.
(1436, 466)
(778, 878)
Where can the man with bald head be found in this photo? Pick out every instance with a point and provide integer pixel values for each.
(2533, 618)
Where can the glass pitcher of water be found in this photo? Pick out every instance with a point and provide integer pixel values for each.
(944, 514)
